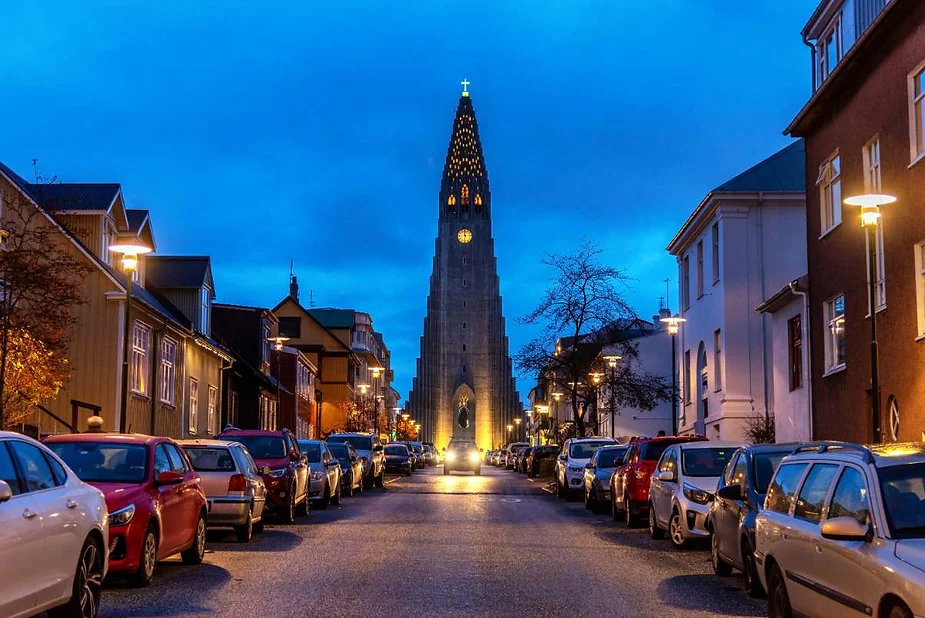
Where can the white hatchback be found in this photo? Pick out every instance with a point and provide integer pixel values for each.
(53, 534)
(570, 465)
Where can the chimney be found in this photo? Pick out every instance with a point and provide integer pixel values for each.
(294, 287)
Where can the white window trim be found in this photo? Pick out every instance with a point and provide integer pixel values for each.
(828, 351)
(146, 360)
(834, 29)
(822, 182)
(919, 260)
(193, 406)
(714, 251)
(213, 408)
(873, 184)
(717, 360)
(165, 341)
(914, 155)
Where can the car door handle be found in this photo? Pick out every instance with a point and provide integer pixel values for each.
(818, 548)
(71, 504)
(27, 514)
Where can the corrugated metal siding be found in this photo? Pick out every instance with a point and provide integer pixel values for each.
(88, 228)
(866, 12)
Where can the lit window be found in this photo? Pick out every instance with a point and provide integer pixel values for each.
(478, 199)
(193, 405)
(917, 111)
(464, 195)
(168, 370)
(451, 200)
(213, 403)
(205, 310)
(835, 335)
(829, 183)
(872, 185)
(141, 339)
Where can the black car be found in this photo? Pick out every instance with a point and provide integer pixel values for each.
(462, 455)
(398, 459)
(351, 478)
(538, 454)
(520, 459)
(740, 496)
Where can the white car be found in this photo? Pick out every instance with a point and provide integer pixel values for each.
(53, 534)
(570, 466)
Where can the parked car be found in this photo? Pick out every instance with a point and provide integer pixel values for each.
(629, 484)
(488, 456)
(842, 532)
(417, 453)
(430, 455)
(738, 500)
(156, 505)
(399, 458)
(235, 491)
(369, 449)
(324, 485)
(511, 453)
(434, 450)
(570, 465)
(597, 475)
(538, 454)
(283, 466)
(54, 530)
(350, 465)
(462, 455)
(682, 489)
(518, 457)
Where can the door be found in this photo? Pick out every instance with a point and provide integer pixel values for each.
(21, 540)
(188, 496)
(730, 514)
(172, 526)
(301, 470)
(664, 490)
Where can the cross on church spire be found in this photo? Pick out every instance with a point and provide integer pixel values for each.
(465, 84)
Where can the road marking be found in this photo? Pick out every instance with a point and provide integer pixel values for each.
(510, 500)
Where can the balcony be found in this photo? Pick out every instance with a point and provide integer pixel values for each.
(361, 341)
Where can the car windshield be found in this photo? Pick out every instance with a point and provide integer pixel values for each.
(903, 489)
(312, 450)
(765, 464)
(210, 458)
(610, 457)
(360, 443)
(652, 451)
(260, 447)
(102, 462)
(417, 449)
(340, 450)
(584, 450)
(396, 450)
(705, 461)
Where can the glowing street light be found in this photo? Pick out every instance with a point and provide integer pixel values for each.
(278, 342)
(674, 325)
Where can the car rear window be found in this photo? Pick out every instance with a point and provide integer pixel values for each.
(360, 443)
(339, 450)
(312, 450)
(765, 464)
(260, 447)
(210, 459)
(652, 451)
(783, 487)
(102, 462)
(396, 450)
(610, 457)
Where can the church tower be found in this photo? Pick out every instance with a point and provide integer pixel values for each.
(464, 386)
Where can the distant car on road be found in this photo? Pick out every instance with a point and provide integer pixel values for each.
(54, 530)
(570, 465)
(510, 453)
(430, 456)
(462, 455)
(350, 465)
(520, 459)
(399, 458)
(597, 475)
(235, 491)
(369, 449)
(325, 471)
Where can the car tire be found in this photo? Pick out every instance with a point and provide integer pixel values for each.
(369, 480)
(325, 497)
(898, 610)
(632, 519)
(197, 551)
(287, 514)
(654, 531)
(614, 511)
(246, 530)
(674, 531)
(258, 526)
(335, 499)
(478, 471)
(445, 470)
(350, 490)
(720, 566)
(778, 599)
(750, 570)
(87, 587)
(380, 480)
(147, 563)
(589, 504)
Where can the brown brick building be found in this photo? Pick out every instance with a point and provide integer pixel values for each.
(864, 128)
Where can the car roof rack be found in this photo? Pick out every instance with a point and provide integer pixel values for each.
(824, 446)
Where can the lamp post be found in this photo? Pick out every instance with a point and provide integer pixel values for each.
(595, 378)
(129, 251)
(612, 360)
(278, 342)
(870, 204)
(404, 418)
(518, 421)
(674, 325)
(377, 390)
(395, 413)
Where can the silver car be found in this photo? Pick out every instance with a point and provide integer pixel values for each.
(324, 471)
(232, 483)
(597, 475)
(842, 532)
(683, 486)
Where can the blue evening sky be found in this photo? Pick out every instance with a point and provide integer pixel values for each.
(317, 131)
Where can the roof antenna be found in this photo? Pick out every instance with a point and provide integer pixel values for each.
(311, 299)
(667, 293)
(35, 170)
(661, 302)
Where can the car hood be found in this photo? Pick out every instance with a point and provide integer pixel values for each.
(577, 462)
(345, 463)
(273, 463)
(604, 473)
(912, 551)
(397, 457)
(316, 467)
(706, 483)
(120, 495)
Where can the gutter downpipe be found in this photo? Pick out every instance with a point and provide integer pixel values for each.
(812, 55)
(808, 374)
(764, 318)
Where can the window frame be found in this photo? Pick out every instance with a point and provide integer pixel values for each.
(873, 183)
(211, 409)
(170, 397)
(919, 259)
(700, 268)
(916, 120)
(715, 239)
(140, 371)
(836, 475)
(829, 177)
(193, 416)
(717, 360)
(686, 380)
(831, 344)
(832, 32)
(205, 309)
(686, 282)
(795, 351)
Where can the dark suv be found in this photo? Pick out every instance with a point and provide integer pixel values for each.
(462, 455)
(369, 450)
(283, 466)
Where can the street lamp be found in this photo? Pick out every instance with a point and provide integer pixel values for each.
(278, 342)
(612, 360)
(870, 204)
(674, 325)
(129, 250)
(518, 421)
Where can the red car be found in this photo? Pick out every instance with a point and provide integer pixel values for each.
(629, 483)
(282, 464)
(156, 507)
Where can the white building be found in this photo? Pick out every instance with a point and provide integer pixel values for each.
(744, 242)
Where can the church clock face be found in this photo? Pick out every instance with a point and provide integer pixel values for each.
(464, 236)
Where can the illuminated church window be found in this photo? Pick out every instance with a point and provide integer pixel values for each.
(464, 195)
(451, 200)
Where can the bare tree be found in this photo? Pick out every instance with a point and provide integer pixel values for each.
(41, 281)
(582, 310)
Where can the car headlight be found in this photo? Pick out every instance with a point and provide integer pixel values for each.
(451, 456)
(122, 516)
(695, 494)
(317, 476)
(278, 473)
(575, 469)
(473, 457)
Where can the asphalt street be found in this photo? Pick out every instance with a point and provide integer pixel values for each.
(434, 545)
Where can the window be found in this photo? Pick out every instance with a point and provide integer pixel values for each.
(699, 269)
(686, 382)
(193, 405)
(685, 283)
(829, 50)
(835, 337)
(464, 195)
(917, 112)
(168, 370)
(177, 460)
(303, 380)
(872, 185)
(7, 470)
(795, 347)
(810, 503)
(161, 461)
(850, 497)
(920, 286)
(290, 327)
(465, 283)
(829, 183)
(36, 473)
(205, 309)
(213, 403)
(893, 412)
(782, 490)
(265, 344)
(715, 256)
(141, 338)
(740, 473)
(717, 360)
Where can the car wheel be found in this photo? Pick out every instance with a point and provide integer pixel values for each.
(246, 530)
(632, 519)
(301, 508)
(445, 470)
(258, 526)
(197, 550)
(369, 479)
(350, 487)
(478, 471)
(614, 512)
(720, 566)
(148, 561)
(750, 570)
(325, 497)
(287, 513)
(380, 480)
(898, 610)
(335, 500)
(88, 585)
(654, 531)
(675, 531)
(778, 599)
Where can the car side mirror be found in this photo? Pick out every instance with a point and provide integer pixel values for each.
(265, 471)
(294, 455)
(846, 529)
(377, 448)
(169, 478)
(589, 466)
(6, 492)
(667, 476)
(562, 457)
(730, 492)
(353, 457)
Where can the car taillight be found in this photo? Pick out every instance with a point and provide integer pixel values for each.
(237, 482)
(641, 474)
